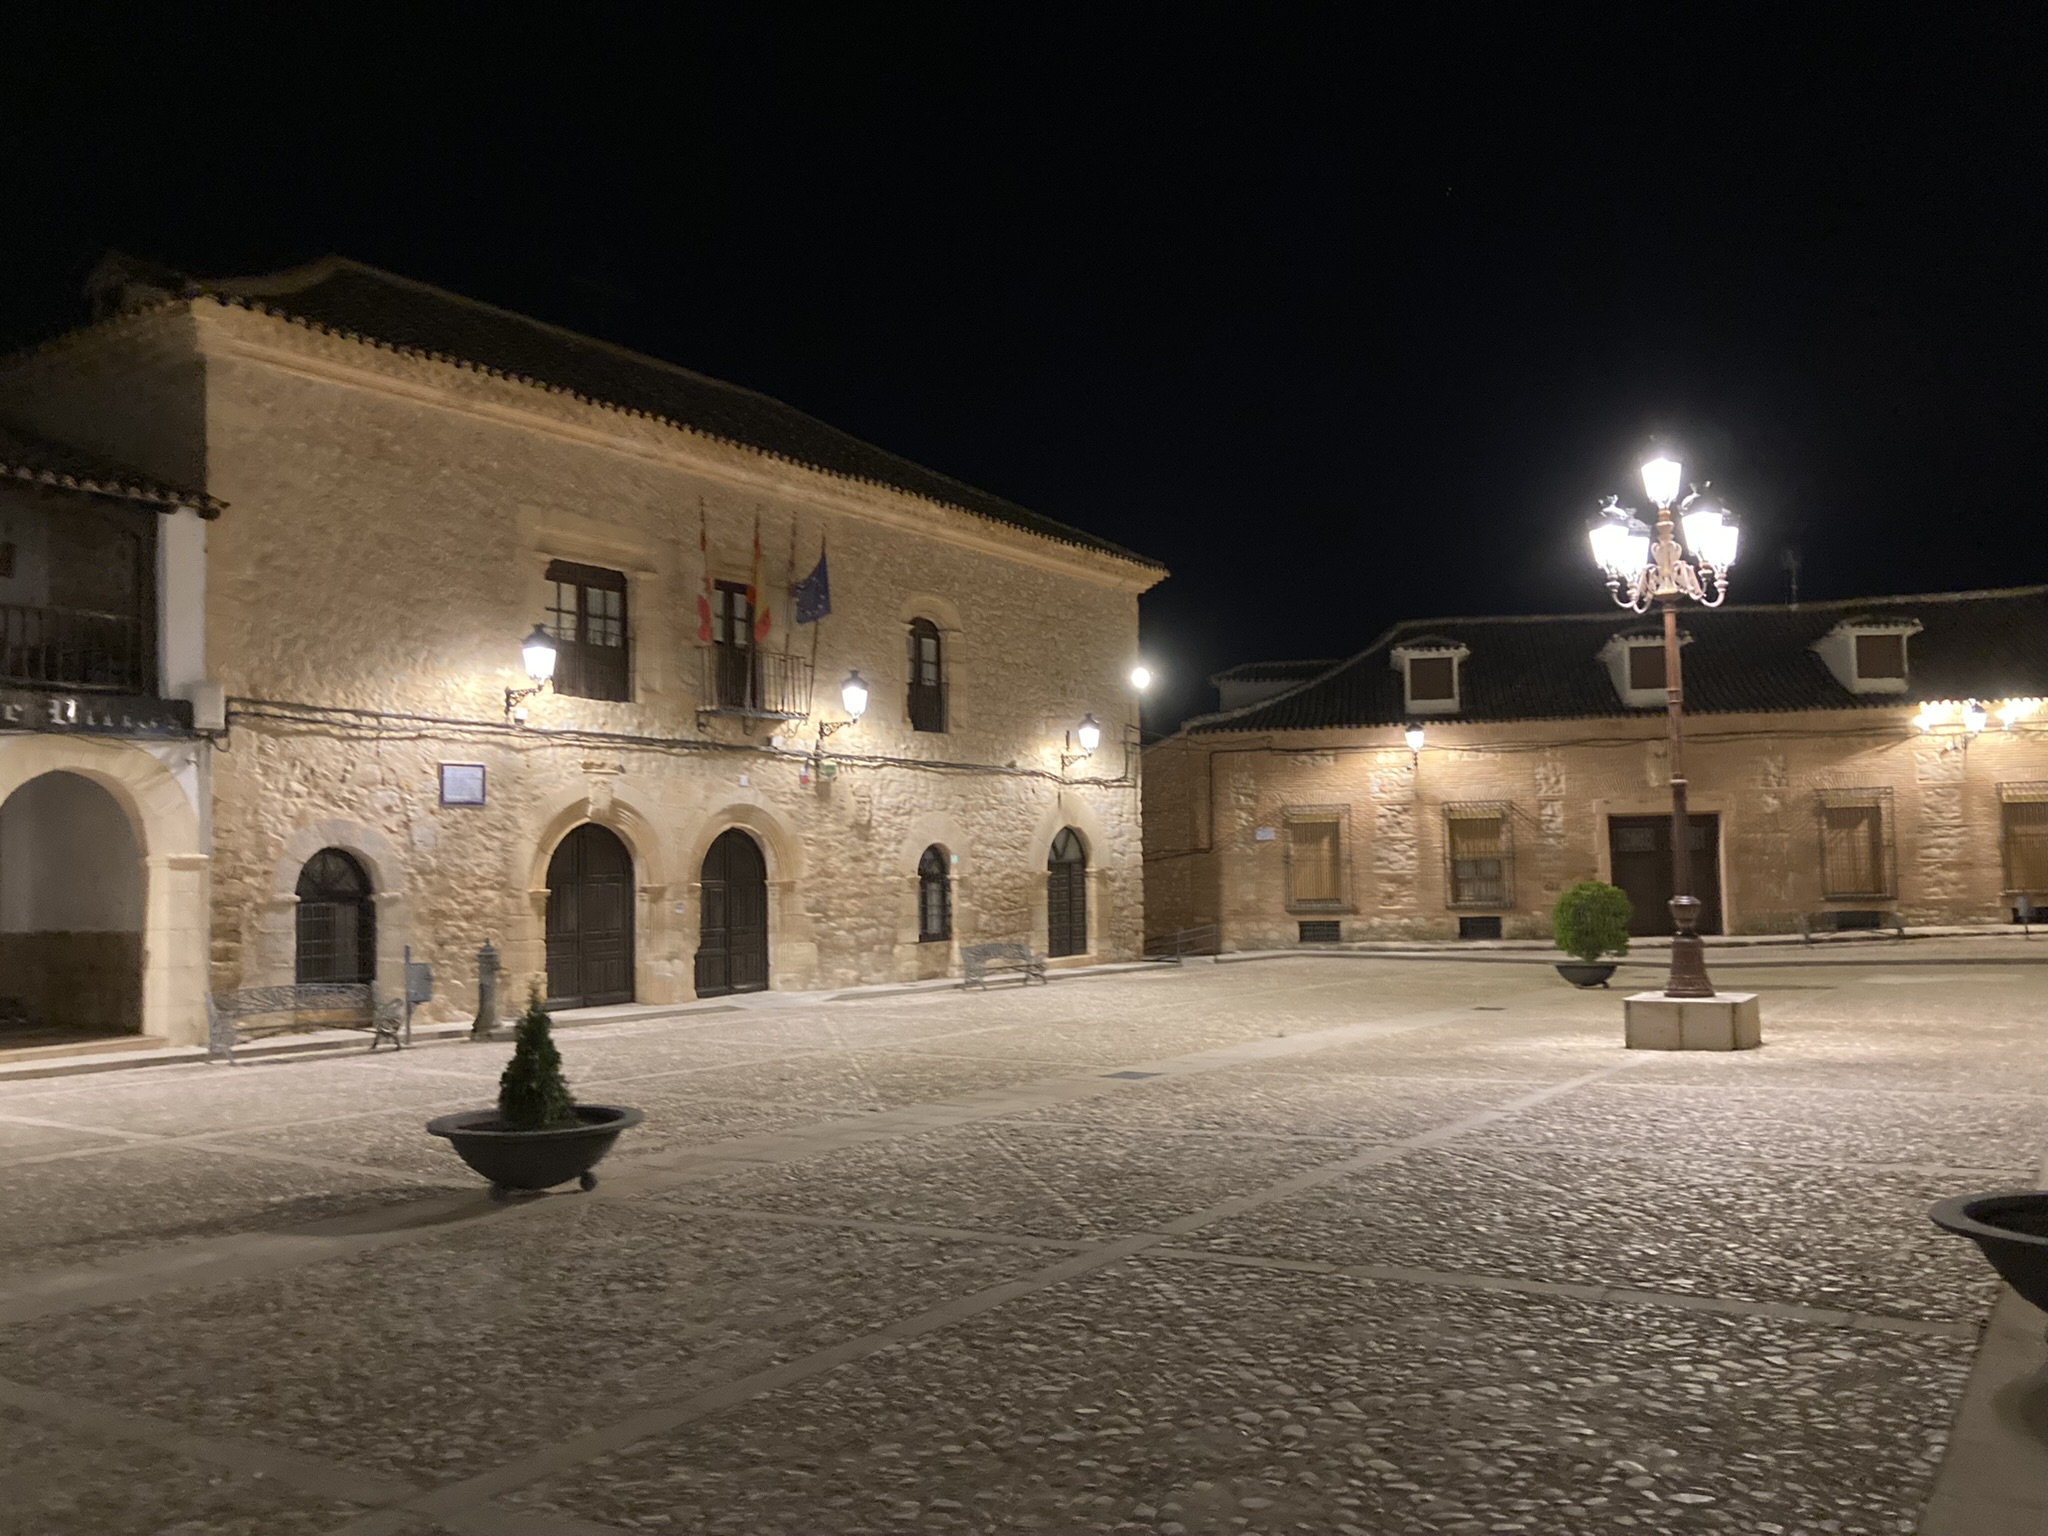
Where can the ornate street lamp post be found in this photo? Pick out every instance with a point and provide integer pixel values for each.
(1646, 567)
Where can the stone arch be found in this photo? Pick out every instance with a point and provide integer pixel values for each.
(275, 938)
(792, 952)
(165, 825)
(1068, 809)
(524, 948)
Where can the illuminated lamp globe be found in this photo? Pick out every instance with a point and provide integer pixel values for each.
(1973, 717)
(853, 693)
(1414, 734)
(537, 654)
(1088, 733)
(1621, 543)
(1660, 480)
(1141, 678)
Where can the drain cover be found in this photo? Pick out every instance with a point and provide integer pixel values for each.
(1134, 1074)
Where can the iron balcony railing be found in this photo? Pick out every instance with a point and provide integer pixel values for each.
(72, 648)
(765, 685)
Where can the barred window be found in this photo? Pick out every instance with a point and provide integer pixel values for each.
(1315, 857)
(934, 897)
(2023, 837)
(587, 617)
(1855, 843)
(1479, 854)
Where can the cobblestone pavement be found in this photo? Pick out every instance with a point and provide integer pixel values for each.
(1315, 1245)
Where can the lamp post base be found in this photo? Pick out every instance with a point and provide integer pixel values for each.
(1721, 1021)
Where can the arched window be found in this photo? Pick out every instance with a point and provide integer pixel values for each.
(927, 678)
(337, 920)
(934, 897)
(1066, 895)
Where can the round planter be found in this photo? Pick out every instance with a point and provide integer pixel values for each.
(2011, 1227)
(534, 1159)
(1581, 974)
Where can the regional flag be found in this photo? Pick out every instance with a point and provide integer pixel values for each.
(756, 598)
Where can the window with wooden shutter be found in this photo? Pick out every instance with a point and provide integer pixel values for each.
(927, 702)
(587, 617)
(1315, 857)
(1479, 853)
(1855, 843)
(2023, 837)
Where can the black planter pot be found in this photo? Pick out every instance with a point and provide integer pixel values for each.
(1583, 974)
(2011, 1226)
(534, 1159)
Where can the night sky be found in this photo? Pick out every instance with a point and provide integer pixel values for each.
(1345, 315)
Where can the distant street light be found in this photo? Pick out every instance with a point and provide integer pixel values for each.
(1141, 678)
(1645, 567)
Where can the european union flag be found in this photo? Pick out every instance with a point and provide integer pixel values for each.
(812, 596)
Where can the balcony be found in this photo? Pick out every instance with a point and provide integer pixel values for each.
(760, 685)
(73, 648)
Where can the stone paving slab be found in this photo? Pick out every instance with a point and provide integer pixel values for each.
(81, 1210)
(1721, 1119)
(1053, 1181)
(58, 1482)
(19, 1141)
(1262, 1101)
(880, 1078)
(436, 1360)
(1170, 1397)
(1852, 1239)
(173, 1101)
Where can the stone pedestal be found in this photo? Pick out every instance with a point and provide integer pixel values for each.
(1727, 1021)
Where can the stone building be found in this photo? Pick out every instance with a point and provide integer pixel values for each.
(407, 483)
(1848, 762)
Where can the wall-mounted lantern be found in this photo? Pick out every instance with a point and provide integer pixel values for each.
(1089, 734)
(537, 655)
(1414, 735)
(853, 694)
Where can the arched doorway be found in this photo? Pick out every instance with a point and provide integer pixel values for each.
(590, 920)
(71, 908)
(732, 943)
(1066, 895)
(337, 923)
(934, 897)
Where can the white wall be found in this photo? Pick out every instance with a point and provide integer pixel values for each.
(68, 860)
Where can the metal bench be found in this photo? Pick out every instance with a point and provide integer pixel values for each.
(979, 961)
(1846, 920)
(302, 1005)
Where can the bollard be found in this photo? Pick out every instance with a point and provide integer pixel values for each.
(486, 993)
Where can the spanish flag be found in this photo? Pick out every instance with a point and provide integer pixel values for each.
(755, 598)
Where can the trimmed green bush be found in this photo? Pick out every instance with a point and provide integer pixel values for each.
(532, 1094)
(1591, 920)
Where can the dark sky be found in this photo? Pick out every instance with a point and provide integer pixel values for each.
(1347, 314)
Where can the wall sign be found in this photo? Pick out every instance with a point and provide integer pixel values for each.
(1262, 835)
(94, 714)
(462, 783)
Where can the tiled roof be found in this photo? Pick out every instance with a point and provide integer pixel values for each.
(362, 303)
(1752, 659)
(1274, 671)
(27, 457)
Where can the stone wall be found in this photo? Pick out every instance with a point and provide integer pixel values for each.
(390, 523)
(1761, 775)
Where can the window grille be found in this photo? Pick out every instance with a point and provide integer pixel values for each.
(587, 617)
(1315, 858)
(1327, 931)
(1479, 927)
(934, 897)
(2023, 837)
(337, 921)
(1856, 859)
(1479, 854)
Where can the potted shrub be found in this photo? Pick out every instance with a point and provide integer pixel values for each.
(538, 1136)
(2010, 1227)
(1590, 920)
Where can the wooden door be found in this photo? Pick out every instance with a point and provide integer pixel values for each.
(590, 920)
(1066, 896)
(732, 942)
(1639, 852)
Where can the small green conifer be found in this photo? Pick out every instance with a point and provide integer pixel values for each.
(532, 1094)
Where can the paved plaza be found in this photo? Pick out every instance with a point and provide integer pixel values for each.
(1330, 1245)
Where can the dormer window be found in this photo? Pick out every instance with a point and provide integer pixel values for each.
(1868, 654)
(1430, 676)
(1635, 661)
